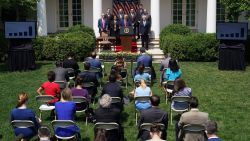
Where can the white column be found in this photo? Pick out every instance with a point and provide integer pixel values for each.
(97, 11)
(155, 15)
(41, 18)
(211, 16)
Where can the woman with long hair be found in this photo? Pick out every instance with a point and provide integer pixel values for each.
(173, 72)
(142, 90)
(21, 112)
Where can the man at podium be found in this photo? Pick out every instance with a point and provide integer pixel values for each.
(125, 22)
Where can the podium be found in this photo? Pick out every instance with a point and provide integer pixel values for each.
(126, 34)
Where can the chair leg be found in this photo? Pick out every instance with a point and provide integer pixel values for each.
(86, 122)
(40, 115)
(136, 118)
(171, 116)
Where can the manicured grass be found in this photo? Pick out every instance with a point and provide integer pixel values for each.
(223, 94)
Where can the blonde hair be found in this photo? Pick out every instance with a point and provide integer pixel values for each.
(143, 84)
(22, 98)
(66, 94)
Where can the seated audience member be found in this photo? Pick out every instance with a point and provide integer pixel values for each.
(117, 72)
(88, 76)
(44, 133)
(101, 135)
(141, 75)
(146, 60)
(70, 62)
(194, 116)
(173, 72)
(50, 88)
(107, 113)
(155, 133)
(95, 63)
(21, 112)
(164, 65)
(79, 91)
(65, 110)
(154, 115)
(180, 89)
(142, 90)
(119, 65)
(61, 73)
(211, 131)
(113, 89)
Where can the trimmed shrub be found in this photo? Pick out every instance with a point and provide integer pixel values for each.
(188, 46)
(58, 46)
(194, 47)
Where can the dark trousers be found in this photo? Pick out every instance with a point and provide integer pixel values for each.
(144, 40)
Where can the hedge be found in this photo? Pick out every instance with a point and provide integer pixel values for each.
(3, 47)
(56, 47)
(188, 46)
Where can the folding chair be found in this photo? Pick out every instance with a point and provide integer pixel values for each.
(96, 71)
(181, 100)
(140, 99)
(168, 88)
(71, 74)
(124, 70)
(43, 100)
(193, 129)
(147, 126)
(22, 124)
(89, 86)
(63, 124)
(147, 70)
(83, 101)
(107, 126)
(137, 83)
(62, 84)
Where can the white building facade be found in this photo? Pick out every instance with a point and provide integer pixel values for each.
(199, 15)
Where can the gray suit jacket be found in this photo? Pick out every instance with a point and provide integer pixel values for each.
(194, 116)
(61, 74)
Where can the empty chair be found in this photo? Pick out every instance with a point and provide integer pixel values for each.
(43, 100)
(83, 103)
(168, 88)
(182, 105)
(63, 125)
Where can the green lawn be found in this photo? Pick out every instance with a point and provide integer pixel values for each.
(223, 94)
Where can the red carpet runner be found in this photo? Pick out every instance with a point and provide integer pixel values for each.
(119, 48)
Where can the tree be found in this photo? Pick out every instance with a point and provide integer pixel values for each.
(21, 8)
(235, 7)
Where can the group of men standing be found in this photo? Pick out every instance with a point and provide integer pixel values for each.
(140, 21)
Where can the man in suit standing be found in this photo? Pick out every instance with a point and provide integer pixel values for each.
(88, 76)
(133, 19)
(139, 18)
(148, 16)
(125, 22)
(144, 31)
(153, 115)
(102, 25)
(109, 17)
(120, 15)
(194, 116)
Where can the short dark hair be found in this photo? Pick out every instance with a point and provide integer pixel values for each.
(141, 69)
(142, 50)
(155, 128)
(173, 65)
(211, 127)
(155, 100)
(79, 81)
(44, 131)
(193, 102)
(59, 64)
(51, 76)
(86, 65)
(93, 55)
(112, 78)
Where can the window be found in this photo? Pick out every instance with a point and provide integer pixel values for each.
(220, 12)
(63, 13)
(77, 13)
(186, 18)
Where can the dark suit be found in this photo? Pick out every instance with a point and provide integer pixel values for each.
(139, 18)
(153, 115)
(114, 28)
(120, 17)
(109, 18)
(103, 27)
(71, 63)
(133, 19)
(110, 115)
(144, 31)
(90, 77)
(114, 90)
(122, 23)
(61, 74)
(96, 63)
